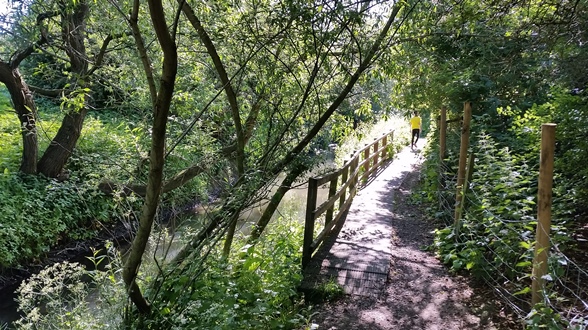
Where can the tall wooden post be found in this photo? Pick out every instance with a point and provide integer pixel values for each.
(470, 171)
(385, 147)
(376, 153)
(332, 192)
(466, 183)
(463, 154)
(366, 165)
(442, 148)
(309, 221)
(344, 176)
(442, 134)
(353, 173)
(543, 212)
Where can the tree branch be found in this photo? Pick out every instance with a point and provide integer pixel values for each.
(47, 92)
(100, 57)
(20, 55)
(134, 24)
(341, 97)
(178, 180)
(230, 92)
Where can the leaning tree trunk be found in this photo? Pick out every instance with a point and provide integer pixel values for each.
(25, 108)
(157, 159)
(73, 31)
(271, 208)
(57, 154)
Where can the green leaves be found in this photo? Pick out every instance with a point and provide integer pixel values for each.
(38, 213)
(524, 264)
(255, 289)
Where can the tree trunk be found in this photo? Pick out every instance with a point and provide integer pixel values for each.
(275, 202)
(231, 97)
(26, 110)
(57, 154)
(73, 31)
(154, 183)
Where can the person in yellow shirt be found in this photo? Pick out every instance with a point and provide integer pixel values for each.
(416, 126)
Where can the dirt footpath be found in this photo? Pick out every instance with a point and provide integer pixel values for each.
(420, 293)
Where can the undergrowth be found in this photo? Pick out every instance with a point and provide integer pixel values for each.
(494, 239)
(254, 289)
(69, 296)
(38, 213)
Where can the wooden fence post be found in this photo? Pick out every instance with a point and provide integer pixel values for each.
(377, 154)
(461, 175)
(366, 165)
(344, 176)
(470, 171)
(442, 148)
(309, 221)
(352, 174)
(543, 212)
(332, 192)
(442, 134)
(384, 147)
(466, 184)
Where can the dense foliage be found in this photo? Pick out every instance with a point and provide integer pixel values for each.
(256, 289)
(514, 62)
(168, 104)
(38, 213)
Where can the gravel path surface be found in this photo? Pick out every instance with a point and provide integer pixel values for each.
(419, 293)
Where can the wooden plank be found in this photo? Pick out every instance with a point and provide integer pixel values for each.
(326, 205)
(331, 201)
(326, 230)
(321, 180)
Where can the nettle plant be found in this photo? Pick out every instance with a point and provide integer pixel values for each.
(496, 231)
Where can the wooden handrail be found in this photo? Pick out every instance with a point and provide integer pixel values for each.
(343, 184)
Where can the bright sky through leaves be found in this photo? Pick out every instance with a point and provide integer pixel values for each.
(3, 6)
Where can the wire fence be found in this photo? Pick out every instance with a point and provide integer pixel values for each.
(496, 237)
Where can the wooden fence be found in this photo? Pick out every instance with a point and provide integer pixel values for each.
(343, 184)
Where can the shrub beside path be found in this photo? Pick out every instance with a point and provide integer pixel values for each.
(390, 281)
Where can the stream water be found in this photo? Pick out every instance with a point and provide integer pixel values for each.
(168, 242)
